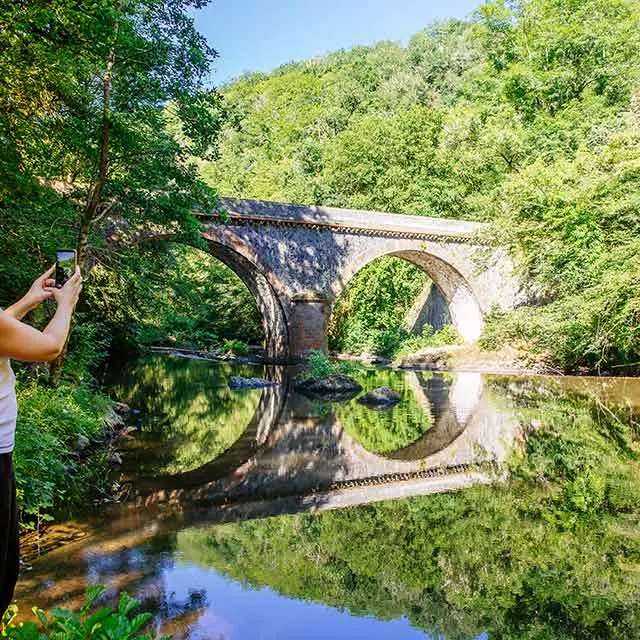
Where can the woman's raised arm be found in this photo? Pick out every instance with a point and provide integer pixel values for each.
(22, 342)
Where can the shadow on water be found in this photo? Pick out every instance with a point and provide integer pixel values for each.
(373, 538)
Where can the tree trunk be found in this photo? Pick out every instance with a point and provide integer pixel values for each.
(95, 195)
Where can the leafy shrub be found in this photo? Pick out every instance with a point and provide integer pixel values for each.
(88, 347)
(320, 365)
(49, 424)
(387, 342)
(236, 347)
(448, 335)
(102, 624)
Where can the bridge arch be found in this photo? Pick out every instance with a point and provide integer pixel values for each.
(463, 304)
(262, 284)
(265, 287)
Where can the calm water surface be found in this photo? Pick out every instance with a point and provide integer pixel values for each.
(265, 514)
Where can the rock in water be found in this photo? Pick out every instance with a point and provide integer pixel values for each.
(380, 397)
(238, 382)
(330, 385)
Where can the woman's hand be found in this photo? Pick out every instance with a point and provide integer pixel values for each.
(68, 295)
(41, 289)
(22, 342)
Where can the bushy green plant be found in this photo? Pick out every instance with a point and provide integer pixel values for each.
(387, 342)
(235, 347)
(101, 624)
(320, 365)
(50, 421)
(447, 335)
(88, 347)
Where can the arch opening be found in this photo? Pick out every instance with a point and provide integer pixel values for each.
(371, 312)
(243, 261)
(464, 310)
(402, 300)
(274, 324)
(240, 259)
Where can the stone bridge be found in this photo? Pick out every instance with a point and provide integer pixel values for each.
(296, 260)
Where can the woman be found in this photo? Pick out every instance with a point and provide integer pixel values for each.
(22, 342)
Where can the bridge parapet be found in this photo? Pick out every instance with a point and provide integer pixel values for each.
(351, 221)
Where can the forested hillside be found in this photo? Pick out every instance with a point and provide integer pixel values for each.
(526, 115)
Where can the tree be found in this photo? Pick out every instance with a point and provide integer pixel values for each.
(108, 103)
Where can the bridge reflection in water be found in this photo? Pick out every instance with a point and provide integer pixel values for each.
(296, 454)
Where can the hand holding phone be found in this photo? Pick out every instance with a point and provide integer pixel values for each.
(65, 266)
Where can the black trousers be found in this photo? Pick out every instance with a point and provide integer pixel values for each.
(9, 541)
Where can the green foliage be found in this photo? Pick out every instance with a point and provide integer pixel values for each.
(102, 624)
(235, 347)
(177, 295)
(59, 104)
(50, 421)
(320, 365)
(526, 115)
(448, 335)
(368, 316)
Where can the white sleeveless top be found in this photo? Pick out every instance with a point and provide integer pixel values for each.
(8, 407)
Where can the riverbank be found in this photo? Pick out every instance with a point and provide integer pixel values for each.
(472, 358)
(255, 358)
(65, 446)
(451, 358)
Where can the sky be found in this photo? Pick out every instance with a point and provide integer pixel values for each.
(260, 35)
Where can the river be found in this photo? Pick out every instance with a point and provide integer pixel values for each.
(480, 506)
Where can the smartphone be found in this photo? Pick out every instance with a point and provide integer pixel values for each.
(65, 265)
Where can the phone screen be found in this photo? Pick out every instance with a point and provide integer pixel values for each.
(65, 265)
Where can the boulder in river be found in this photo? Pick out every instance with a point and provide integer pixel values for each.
(238, 382)
(337, 386)
(382, 397)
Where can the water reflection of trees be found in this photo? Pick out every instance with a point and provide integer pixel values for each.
(189, 416)
(383, 431)
(555, 553)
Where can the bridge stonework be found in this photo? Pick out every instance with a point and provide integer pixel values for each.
(296, 260)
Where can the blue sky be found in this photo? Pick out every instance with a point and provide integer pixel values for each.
(260, 35)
